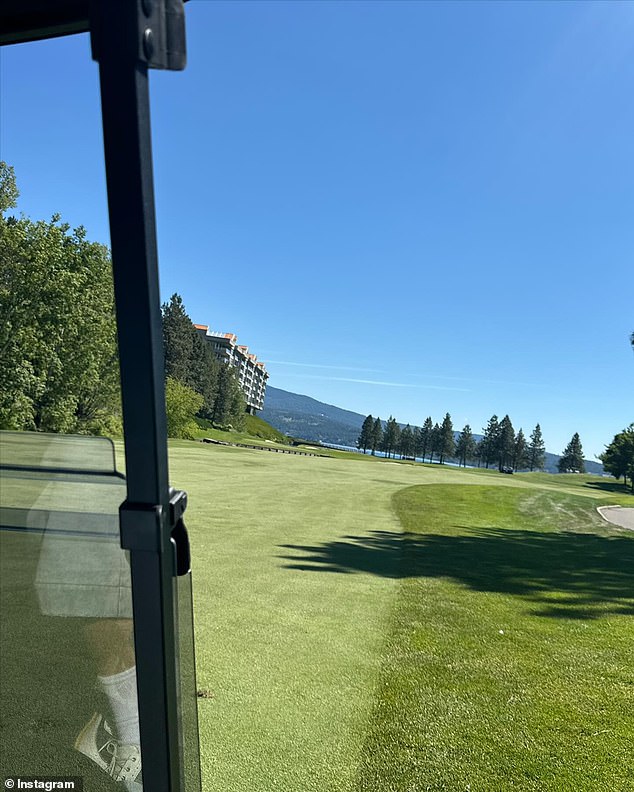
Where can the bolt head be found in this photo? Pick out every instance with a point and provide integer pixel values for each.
(148, 43)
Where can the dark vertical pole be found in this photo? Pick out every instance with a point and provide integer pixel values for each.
(145, 525)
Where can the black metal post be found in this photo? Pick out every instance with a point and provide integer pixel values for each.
(119, 34)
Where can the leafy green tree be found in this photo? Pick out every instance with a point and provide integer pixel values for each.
(365, 438)
(58, 349)
(618, 457)
(520, 452)
(466, 446)
(390, 436)
(376, 439)
(571, 460)
(447, 444)
(181, 404)
(505, 445)
(9, 192)
(536, 450)
(422, 438)
(406, 445)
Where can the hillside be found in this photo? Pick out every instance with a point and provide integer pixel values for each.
(305, 417)
(302, 416)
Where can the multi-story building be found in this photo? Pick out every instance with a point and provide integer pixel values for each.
(252, 374)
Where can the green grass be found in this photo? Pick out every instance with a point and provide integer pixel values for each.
(508, 665)
(257, 427)
(343, 654)
(254, 428)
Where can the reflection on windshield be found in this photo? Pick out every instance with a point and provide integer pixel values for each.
(69, 676)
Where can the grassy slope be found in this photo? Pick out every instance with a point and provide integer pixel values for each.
(297, 584)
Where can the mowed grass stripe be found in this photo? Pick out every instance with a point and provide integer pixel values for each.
(289, 650)
(509, 664)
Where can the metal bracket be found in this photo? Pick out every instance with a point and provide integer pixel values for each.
(157, 39)
(142, 529)
(178, 533)
(140, 526)
(178, 504)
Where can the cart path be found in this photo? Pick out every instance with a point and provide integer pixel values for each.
(618, 515)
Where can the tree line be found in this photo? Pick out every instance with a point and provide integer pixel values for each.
(58, 337)
(499, 445)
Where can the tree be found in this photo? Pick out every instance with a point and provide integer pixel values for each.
(9, 192)
(536, 450)
(520, 452)
(489, 442)
(229, 407)
(203, 374)
(406, 445)
(505, 445)
(466, 446)
(447, 443)
(479, 451)
(390, 436)
(434, 441)
(179, 336)
(58, 348)
(365, 438)
(423, 436)
(181, 405)
(571, 460)
(376, 439)
(618, 457)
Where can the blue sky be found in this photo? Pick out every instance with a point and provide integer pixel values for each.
(402, 208)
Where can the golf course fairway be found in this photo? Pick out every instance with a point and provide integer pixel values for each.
(363, 624)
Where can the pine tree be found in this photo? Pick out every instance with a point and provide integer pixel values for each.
(447, 444)
(229, 406)
(520, 452)
(536, 450)
(365, 438)
(423, 437)
(505, 445)
(480, 451)
(434, 441)
(571, 460)
(390, 436)
(377, 436)
(178, 340)
(203, 374)
(466, 446)
(488, 444)
(406, 442)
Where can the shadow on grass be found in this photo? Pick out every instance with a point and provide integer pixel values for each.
(614, 487)
(571, 575)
